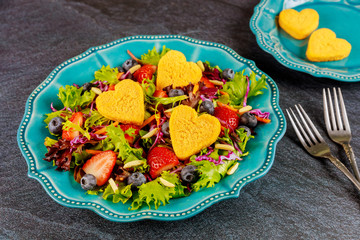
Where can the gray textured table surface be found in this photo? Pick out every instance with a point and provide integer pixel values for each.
(300, 198)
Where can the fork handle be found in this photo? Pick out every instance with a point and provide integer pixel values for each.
(342, 168)
(350, 154)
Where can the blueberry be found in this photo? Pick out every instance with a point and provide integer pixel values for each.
(129, 64)
(86, 87)
(136, 179)
(165, 129)
(207, 106)
(55, 125)
(248, 120)
(176, 92)
(120, 69)
(228, 74)
(246, 129)
(189, 174)
(88, 182)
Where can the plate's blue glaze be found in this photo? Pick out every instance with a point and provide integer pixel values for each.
(80, 69)
(341, 16)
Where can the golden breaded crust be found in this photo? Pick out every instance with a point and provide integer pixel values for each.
(174, 69)
(125, 104)
(299, 25)
(324, 46)
(190, 133)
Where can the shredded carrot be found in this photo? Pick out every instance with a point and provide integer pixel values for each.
(103, 130)
(147, 121)
(222, 128)
(264, 120)
(119, 75)
(168, 114)
(132, 56)
(226, 106)
(223, 93)
(158, 119)
(93, 152)
(196, 88)
(111, 87)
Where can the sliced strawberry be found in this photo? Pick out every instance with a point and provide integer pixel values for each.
(76, 118)
(125, 127)
(228, 118)
(207, 83)
(101, 166)
(160, 94)
(145, 72)
(161, 159)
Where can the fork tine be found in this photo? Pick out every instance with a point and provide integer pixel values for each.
(314, 130)
(303, 142)
(331, 107)
(343, 111)
(326, 111)
(304, 134)
(337, 111)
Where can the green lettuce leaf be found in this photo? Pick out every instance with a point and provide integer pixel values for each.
(244, 138)
(169, 100)
(68, 124)
(226, 138)
(153, 56)
(256, 86)
(212, 67)
(152, 193)
(223, 168)
(96, 119)
(141, 168)
(180, 190)
(210, 173)
(95, 191)
(107, 74)
(51, 115)
(72, 97)
(49, 142)
(80, 158)
(149, 88)
(116, 136)
(237, 87)
(147, 142)
(123, 194)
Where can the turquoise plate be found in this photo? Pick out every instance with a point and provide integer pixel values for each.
(341, 16)
(80, 69)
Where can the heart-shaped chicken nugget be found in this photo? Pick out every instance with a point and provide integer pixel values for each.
(324, 46)
(173, 69)
(125, 104)
(299, 24)
(190, 133)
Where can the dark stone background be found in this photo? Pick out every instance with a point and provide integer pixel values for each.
(300, 198)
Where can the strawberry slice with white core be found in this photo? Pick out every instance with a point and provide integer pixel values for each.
(101, 166)
(161, 159)
(76, 118)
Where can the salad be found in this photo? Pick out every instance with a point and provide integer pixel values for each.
(123, 135)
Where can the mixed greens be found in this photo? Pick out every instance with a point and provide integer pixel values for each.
(137, 163)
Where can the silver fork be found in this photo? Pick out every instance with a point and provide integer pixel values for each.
(312, 141)
(337, 125)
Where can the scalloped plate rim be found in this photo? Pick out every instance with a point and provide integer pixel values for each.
(150, 214)
(302, 67)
